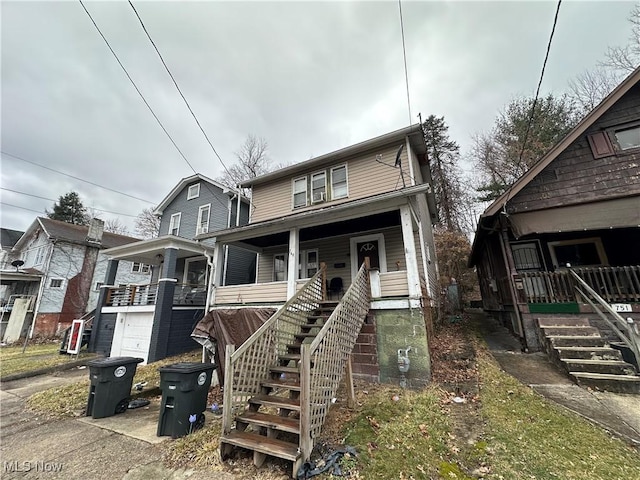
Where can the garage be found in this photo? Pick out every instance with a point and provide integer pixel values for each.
(132, 335)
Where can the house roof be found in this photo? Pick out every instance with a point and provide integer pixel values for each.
(572, 136)
(152, 251)
(186, 181)
(55, 229)
(8, 237)
(413, 131)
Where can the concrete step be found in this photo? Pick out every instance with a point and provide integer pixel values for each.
(609, 383)
(612, 367)
(563, 321)
(576, 341)
(589, 353)
(581, 330)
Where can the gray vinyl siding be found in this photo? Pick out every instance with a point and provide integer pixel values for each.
(209, 194)
(105, 333)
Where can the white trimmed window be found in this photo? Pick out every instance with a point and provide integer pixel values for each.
(138, 267)
(300, 192)
(56, 282)
(308, 264)
(203, 219)
(39, 255)
(174, 224)
(194, 191)
(279, 267)
(628, 138)
(339, 182)
(318, 187)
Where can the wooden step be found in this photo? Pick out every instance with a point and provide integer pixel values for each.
(611, 367)
(295, 357)
(262, 444)
(302, 336)
(563, 321)
(276, 422)
(581, 330)
(279, 369)
(279, 383)
(276, 402)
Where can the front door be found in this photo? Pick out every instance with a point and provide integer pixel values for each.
(371, 246)
(369, 249)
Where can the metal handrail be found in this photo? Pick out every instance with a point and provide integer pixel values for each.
(626, 330)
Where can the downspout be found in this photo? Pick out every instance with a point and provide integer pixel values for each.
(508, 261)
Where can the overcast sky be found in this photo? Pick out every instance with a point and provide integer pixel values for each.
(308, 77)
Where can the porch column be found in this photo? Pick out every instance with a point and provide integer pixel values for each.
(159, 344)
(292, 265)
(413, 275)
(109, 281)
(215, 278)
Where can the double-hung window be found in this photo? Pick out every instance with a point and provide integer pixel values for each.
(203, 219)
(308, 265)
(174, 224)
(40, 255)
(279, 267)
(138, 267)
(300, 192)
(339, 182)
(318, 187)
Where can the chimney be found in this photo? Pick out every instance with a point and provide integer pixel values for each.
(96, 228)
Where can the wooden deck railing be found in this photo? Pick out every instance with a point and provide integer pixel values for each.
(249, 364)
(613, 284)
(323, 361)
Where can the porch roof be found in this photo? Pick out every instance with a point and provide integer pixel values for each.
(20, 276)
(377, 204)
(151, 251)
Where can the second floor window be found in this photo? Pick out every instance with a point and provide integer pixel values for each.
(203, 219)
(56, 283)
(140, 268)
(300, 192)
(39, 255)
(339, 182)
(174, 224)
(318, 187)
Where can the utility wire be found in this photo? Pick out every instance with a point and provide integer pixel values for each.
(54, 200)
(404, 55)
(136, 87)
(177, 87)
(76, 178)
(535, 99)
(23, 208)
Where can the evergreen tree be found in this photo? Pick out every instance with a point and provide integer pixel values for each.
(69, 208)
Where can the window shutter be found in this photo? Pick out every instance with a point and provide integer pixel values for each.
(600, 144)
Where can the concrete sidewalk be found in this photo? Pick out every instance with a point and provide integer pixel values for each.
(615, 412)
(120, 447)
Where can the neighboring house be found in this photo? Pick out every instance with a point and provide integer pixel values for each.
(156, 321)
(62, 265)
(337, 209)
(579, 205)
(8, 239)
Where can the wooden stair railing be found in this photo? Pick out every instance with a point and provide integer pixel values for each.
(280, 382)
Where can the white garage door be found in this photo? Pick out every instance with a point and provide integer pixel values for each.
(135, 337)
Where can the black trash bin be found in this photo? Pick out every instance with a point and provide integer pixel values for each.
(110, 389)
(185, 387)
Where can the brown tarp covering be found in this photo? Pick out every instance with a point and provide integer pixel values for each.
(229, 327)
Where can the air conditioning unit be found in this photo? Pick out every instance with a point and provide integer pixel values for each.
(318, 197)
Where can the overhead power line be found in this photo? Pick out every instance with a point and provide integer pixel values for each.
(76, 178)
(22, 208)
(404, 56)
(166, 67)
(136, 87)
(54, 200)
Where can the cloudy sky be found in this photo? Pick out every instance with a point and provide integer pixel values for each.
(308, 77)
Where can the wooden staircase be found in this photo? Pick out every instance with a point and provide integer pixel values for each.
(271, 423)
(578, 348)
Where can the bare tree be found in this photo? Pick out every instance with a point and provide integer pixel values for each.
(627, 58)
(147, 224)
(591, 86)
(114, 225)
(251, 162)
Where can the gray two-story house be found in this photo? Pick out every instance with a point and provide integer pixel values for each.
(155, 321)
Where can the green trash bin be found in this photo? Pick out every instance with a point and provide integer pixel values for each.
(111, 380)
(185, 387)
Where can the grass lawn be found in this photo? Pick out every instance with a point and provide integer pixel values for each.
(35, 357)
